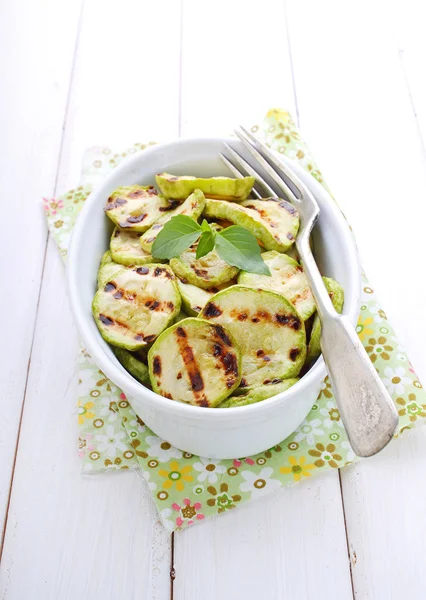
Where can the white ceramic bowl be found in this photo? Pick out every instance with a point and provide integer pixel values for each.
(213, 433)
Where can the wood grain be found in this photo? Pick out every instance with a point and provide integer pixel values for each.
(367, 140)
(73, 536)
(356, 114)
(407, 18)
(289, 545)
(225, 80)
(266, 547)
(35, 84)
(70, 533)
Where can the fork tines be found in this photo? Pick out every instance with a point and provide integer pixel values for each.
(286, 181)
(238, 174)
(278, 172)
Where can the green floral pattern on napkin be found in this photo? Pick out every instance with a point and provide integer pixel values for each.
(188, 488)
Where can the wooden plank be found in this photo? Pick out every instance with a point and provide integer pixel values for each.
(362, 127)
(126, 84)
(35, 82)
(292, 544)
(288, 545)
(384, 497)
(356, 114)
(408, 18)
(235, 64)
(74, 536)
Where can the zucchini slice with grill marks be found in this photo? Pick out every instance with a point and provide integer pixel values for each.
(107, 268)
(135, 367)
(136, 207)
(268, 329)
(126, 248)
(192, 207)
(206, 272)
(135, 305)
(273, 221)
(260, 393)
(287, 278)
(337, 297)
(194, 298)
(195, 362)
(213, 187)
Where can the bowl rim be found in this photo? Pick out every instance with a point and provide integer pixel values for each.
(120, 376)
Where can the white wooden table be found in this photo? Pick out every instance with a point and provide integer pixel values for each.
(76, 73)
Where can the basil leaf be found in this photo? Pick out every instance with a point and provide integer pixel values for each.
(205, 226)
(206, 243)
(239, 248)
(176, 236)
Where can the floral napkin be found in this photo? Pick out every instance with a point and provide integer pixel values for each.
(188, 488)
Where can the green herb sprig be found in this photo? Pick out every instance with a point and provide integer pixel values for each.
(235, 245)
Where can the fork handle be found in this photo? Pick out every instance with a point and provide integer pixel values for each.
(367, 411)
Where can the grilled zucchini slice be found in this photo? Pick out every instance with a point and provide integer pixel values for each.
(260, 393)
(192, 207)
(135, 305)
(136, 207)
(337, 297)
(194, 298)
(107, 268)
(213, 187)
(268, 328)
(287, 278)
(273, 221)
(135, 367)
(126, 248)
(206, 272)
(195, 362)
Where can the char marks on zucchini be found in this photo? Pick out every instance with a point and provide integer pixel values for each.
(260, 393)
(192, 207)
(271, 334)
(203, 363)
(271, 223)
(195, 298)
(135, 207)
(206, 272)
(136, 305)
(287, 278)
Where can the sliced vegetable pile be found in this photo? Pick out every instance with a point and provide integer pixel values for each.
(230, 320)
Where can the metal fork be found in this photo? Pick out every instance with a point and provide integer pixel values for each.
(367, 411)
